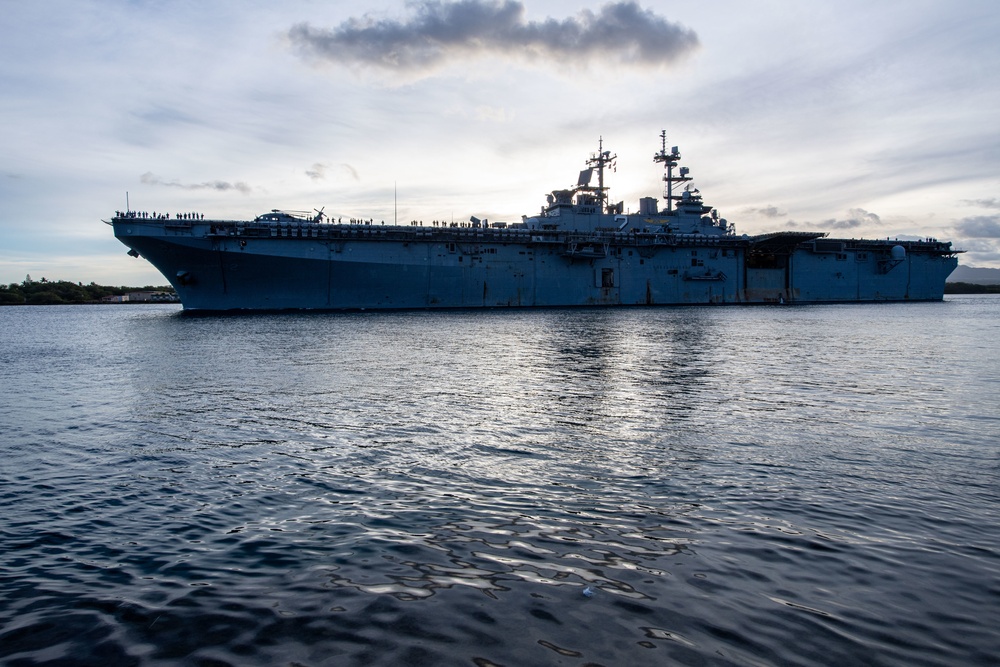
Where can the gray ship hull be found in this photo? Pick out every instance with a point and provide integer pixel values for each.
(221, 266)
(579, 250)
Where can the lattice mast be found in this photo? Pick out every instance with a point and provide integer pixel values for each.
(599, 161)
(669, 161)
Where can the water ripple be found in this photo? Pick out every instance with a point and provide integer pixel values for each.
(672, 486)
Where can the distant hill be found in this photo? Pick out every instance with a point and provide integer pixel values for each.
(969, 274)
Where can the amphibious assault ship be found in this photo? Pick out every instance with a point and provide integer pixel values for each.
(579, 250)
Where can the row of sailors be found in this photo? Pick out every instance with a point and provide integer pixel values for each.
(436, 223)
(158, 216)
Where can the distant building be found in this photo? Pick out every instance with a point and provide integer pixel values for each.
(152, 297)
(142, 297)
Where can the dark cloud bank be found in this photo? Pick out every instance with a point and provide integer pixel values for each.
(440, 32)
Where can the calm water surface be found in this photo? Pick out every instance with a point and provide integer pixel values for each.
(676, 486)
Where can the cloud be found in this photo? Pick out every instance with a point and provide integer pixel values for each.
(993, 202)
(980, 252)
(980, 246)
(621, 33)
(765, 212)
(319, 171)
(980, 226)
(858, 217)
(493, 114)
(149, 178)
(351, 171)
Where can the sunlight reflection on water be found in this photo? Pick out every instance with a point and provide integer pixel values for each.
(730, 485)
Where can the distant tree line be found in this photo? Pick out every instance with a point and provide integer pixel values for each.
(970, 288)
(47, 292)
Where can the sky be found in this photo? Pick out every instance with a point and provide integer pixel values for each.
(857, 118)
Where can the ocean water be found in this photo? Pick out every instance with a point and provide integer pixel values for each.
(813, 485)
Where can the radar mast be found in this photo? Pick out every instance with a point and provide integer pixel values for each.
(599, 160)
(669, 161)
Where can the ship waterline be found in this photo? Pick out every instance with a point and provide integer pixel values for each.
(580, 250)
